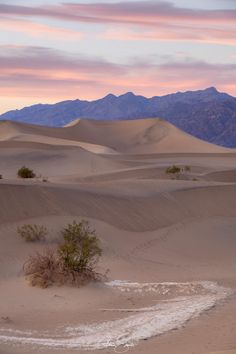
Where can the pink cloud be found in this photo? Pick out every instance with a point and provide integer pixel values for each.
(145, 12)
(164, 20)
(31, 58)
(38, 30)
(47, 74)
(174, 33)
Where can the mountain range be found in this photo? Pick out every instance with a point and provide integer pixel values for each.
(206, 114)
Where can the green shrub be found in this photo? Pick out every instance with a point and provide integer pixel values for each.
(80, 249)
(73, 262)
(25, 172)
(32, 233)
(173, 170)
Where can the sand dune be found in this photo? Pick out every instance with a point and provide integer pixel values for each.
(141, 136)
(133, 136)
(20, 132)
(154, 230)
(125, 211)
(222, 176)
(51, 160)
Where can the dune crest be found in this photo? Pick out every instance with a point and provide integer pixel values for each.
(106, 137)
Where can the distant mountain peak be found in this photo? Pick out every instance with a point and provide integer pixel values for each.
(207, 114)
(128, 94)
(211, 89)
(109, 96)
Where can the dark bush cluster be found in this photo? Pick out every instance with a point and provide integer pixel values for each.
(173, 170)
(176, 171)
(25, 172)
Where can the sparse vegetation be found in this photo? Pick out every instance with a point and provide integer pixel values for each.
(174, 171)
(73, 262)
(0, 176)
(42, 269)
(80, 249)
(25, 172)
(32, 233)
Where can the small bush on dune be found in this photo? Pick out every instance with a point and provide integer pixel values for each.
(174, 171)
(41, 268)
(32, 233)
(45, 269)
(73, 262)
(25, 172)
(80, 249)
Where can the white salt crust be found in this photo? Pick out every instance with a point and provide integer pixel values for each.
(142, 323)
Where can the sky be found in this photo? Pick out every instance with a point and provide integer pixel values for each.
(54, 50)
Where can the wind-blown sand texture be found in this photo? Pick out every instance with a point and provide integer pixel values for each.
(170, 244)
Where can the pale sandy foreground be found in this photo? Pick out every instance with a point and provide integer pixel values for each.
(169, 245)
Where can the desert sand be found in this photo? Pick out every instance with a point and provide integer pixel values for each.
(169, 244)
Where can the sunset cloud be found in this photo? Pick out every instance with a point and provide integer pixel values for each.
(38, 30)
(35, 71)
(135, 12)
(165, 20)
(174, 33)
(50, 60)
(147, 12)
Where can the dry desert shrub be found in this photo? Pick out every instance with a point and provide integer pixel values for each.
(32, 233)
(41, 268)
(73, 262)
(45, 269)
